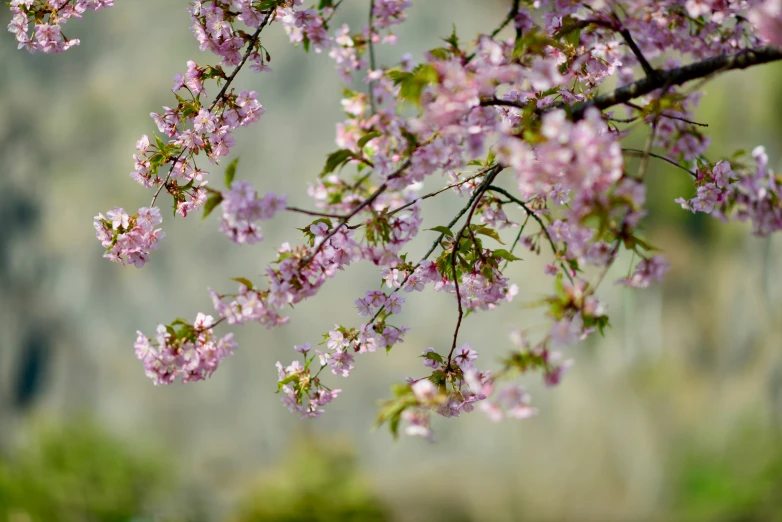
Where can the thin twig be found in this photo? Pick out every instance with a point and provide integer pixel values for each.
(333, 11)
(669, 116)
(313, 213)
(343, 221)
(437, 192)
(529, 211)
(516, 241)
(514, 10)
(637, 152)
(372, 57)
(457, 217)
(543, 227)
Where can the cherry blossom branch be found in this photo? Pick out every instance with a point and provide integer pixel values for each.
(250, 47)
(252, 41)
(723, 63)
(168, 177)
(344, 221)
(479, 192)
(677, 76)
(456, 218)
(530, 212)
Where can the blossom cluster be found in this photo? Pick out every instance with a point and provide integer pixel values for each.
(129, 239)
(47, 17)
(242, 209)
(302, 392)
(192, 352)
(752, 193)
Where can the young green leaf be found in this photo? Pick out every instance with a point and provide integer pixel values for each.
(215, 199)
(246, 282)
(369, 137)
(336, 159)
(443, 230)
(230, 172)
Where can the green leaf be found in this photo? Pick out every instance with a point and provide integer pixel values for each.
(211, 203)
(246, 282)
(570, 30)
(504, 254)
(287, 380)
(369, 137)
(413, 84)
(433, 356)
(398, 75)
(230, 172)
(335, 160)
(393, 425)
(443, 230)
(453, 39)
(486, 231)
(441, 53)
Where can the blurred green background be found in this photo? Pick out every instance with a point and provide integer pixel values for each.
(674, 416)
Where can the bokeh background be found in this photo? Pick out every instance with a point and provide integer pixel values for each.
(675, 415)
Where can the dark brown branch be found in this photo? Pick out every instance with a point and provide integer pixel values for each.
(677, 76)
(479, 192)
(670, 77)
(511, 17)
(487, 102)
(250, 48)
(496, 169)
(650, 71)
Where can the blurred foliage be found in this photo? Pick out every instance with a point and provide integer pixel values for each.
(741, 483)
(80, 473)
(317, 482)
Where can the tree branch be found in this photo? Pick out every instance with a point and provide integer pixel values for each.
(670, 77)
(496, 169)
(677, 76)
(479, 192)
(650, 71)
